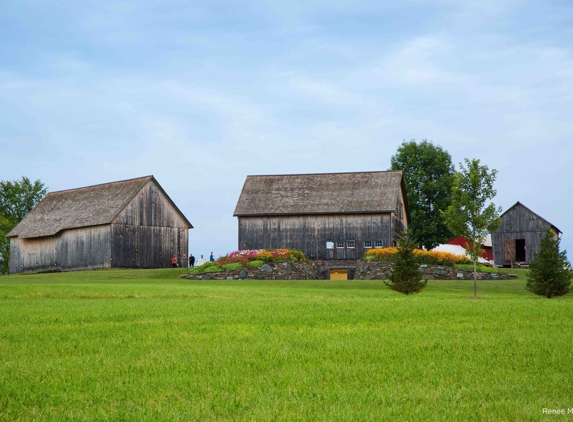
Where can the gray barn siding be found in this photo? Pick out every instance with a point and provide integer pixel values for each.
(309, 233)
(147, 247)
(150, 207)
(148, 232)
(519, 223)
(75, 249)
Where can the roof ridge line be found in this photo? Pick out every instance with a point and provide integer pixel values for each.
(101, 184)
(324, 174)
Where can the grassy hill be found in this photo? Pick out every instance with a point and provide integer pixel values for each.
(146, 345)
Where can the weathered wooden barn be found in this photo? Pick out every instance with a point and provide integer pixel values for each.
(519, 236)
(127, 224)
(327, 216)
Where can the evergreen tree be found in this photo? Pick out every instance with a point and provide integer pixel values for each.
(406, 276)
(549, 273)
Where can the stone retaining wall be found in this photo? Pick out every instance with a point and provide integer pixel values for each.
(376, 270)
(320, 270)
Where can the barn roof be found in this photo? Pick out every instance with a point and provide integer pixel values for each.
(537, 215)
(82, 207)
(329, 193)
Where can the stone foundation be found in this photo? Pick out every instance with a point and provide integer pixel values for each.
(320, 270)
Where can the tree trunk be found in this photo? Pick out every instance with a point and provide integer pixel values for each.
(475, 267)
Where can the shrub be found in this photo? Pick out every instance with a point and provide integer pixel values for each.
(255, 263)
(237, 259)
(207, 267)
(424, 257)
(213, 269)
(296, 255)
(549, 273)
(265, 255)
(480, 268)
(380, 254)
(406, 277)
(232, 266)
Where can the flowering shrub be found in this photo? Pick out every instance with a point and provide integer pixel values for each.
(265, 255)
(424, 257)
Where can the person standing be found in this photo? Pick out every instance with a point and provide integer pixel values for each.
(174, 261)
(191, 260)
(212, 257)
(184, 260)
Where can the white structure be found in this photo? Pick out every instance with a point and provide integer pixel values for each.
(458, 250)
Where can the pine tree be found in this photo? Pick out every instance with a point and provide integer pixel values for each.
(549, 272)
(406, 276)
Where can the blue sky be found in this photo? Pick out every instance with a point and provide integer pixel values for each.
(201, 94)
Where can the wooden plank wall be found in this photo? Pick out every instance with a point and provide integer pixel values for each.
(150, 207)
(310, 233)
(147, 247)
(148, 232)
(399, 221)
(518, 223)
(77, 249)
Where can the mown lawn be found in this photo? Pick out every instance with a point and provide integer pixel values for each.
(146, 345)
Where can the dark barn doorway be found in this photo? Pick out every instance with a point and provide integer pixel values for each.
(520, 250)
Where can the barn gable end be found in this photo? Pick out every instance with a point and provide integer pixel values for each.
(151, 206)
(149, 230)
(519, 236)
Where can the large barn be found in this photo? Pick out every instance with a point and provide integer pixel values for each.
(518, 238)
(127, 224)
(327, 216)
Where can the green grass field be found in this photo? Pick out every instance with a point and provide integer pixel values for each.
(146, 345)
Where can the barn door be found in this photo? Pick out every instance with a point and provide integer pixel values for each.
(509, 250)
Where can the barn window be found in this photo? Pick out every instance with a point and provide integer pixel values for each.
(367, 243)
(378, 244)
(351, 244)
(340, 245)
(329, 245)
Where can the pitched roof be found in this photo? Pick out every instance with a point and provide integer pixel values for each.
(537, 215)
(82, 207)
(329, 193)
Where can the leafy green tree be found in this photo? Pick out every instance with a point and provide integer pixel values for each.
(17, 198)
(549, 272)
(471, 213)
(429, 177)
(406, 276)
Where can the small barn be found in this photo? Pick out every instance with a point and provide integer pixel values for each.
(126, 224)
(327, 216)
(518, 238)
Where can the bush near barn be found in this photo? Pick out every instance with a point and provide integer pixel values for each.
(424, 257)
(248, 258)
